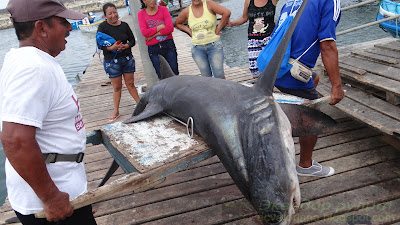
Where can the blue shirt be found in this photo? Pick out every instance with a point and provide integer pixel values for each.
(318, 21)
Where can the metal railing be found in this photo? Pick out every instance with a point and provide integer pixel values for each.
(367, 24)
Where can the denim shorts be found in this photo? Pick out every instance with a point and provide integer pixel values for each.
(116, 67)
(210, 59)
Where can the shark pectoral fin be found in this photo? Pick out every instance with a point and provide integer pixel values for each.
(150, 110)
(306, 121)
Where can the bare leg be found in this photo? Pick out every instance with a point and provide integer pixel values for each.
(130, 84)
(117, 86)
(307, 144)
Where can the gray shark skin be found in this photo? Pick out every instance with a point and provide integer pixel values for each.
(245, 127)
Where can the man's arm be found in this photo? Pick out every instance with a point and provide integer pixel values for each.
(23, 153)
(330, 59)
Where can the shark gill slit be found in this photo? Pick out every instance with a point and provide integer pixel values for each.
(261, 111)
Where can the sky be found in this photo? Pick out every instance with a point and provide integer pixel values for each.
(3, 4)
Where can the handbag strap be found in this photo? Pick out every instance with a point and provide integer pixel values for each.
(298, 58)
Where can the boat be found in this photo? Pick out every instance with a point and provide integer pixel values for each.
(389, 9)
(89, 23)
(91, 27)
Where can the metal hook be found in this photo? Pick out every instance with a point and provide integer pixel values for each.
(189, 125)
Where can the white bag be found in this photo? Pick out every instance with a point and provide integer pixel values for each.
(300, 71)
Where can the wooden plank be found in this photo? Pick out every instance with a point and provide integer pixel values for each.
(392, 98)
(162, 194)
(374, 81)
(375, 57)
(172, 207)
(351, 180)
(217, 214)
(347, 148)
(343, 137)
(380, 213)
(349, 202)
(356, 161)
(352, 69)
(360, 112)
(394, 46)
(373, 102)
(384, 52)
(372, 67)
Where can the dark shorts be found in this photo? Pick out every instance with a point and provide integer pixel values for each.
(116, 67)
(309, 93)
(82, 216)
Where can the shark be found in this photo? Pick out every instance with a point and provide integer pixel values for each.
(250, 132)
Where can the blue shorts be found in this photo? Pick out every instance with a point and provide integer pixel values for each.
(116, 67)
(210, 59)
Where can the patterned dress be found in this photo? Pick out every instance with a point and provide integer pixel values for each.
(261, 25)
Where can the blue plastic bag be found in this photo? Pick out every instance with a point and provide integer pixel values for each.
(266, 54)
(103, 39)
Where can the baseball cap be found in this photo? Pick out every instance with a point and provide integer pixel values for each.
(32, 10)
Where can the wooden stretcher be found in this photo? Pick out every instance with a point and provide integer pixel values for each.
(150, 150)
(147, 151)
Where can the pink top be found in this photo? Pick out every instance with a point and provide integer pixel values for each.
(148, 25)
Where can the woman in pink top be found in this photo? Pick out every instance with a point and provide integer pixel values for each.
(156, 25)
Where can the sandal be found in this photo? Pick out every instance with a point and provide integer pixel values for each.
(108, 83)
(112, 118)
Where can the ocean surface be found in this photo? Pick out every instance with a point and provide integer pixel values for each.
(81, 45)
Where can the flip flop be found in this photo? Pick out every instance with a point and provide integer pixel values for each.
(112, 118)
(108, 83)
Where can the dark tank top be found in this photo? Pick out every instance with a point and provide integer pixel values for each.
(261, 20)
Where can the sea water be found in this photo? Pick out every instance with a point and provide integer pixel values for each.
(81, 45)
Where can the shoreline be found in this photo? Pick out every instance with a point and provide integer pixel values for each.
(80, 6)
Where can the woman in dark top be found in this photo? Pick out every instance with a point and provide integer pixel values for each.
(120, 62)
(260, 14)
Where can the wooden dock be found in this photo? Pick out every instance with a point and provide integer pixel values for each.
(364, 189)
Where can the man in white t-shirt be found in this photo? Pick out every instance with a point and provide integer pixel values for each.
(42, 130)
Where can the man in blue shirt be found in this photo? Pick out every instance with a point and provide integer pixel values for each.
(314, 34)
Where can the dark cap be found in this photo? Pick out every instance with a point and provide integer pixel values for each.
(32, 10)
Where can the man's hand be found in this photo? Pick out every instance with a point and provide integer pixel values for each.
(337, 94)
(57, 207)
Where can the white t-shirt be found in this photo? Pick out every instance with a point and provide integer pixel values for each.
(35, 92)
